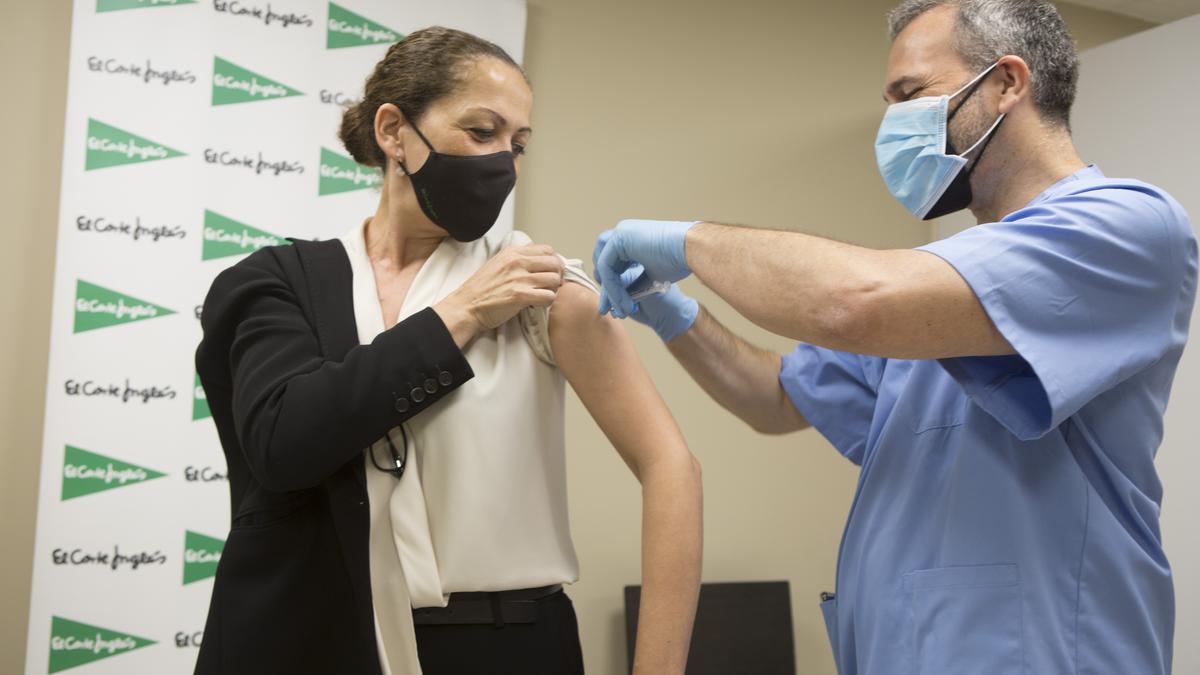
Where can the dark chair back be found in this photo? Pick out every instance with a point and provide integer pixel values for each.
(743, 628)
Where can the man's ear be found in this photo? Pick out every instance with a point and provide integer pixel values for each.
(388, 123)
(1014, 82)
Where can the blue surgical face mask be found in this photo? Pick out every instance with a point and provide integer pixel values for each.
(916, 159)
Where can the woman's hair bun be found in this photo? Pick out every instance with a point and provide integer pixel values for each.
(358, 136)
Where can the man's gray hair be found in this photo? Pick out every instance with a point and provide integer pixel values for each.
(985, 30)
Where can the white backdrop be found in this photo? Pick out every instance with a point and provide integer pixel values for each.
(1138, 115)
(196, 132)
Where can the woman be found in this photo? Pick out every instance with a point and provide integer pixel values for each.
(390, 406)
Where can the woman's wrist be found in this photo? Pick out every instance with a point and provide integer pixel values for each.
(460, 321)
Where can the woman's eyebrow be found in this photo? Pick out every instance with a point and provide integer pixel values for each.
(500, 118)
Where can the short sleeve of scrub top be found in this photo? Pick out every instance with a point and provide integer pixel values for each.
(1084, 287)
(836, 392)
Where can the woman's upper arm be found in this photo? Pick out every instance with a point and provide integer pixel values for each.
(597, 357)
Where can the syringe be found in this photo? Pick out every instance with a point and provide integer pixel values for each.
(644, 287)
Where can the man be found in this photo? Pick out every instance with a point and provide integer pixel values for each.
(1002, 390)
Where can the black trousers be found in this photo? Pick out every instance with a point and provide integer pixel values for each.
(548, 647)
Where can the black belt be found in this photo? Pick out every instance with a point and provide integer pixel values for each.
(496, 608)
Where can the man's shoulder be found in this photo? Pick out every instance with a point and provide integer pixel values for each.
(1124, 201)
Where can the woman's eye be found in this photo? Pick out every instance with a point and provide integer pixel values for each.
(518, 149)
(484, 134)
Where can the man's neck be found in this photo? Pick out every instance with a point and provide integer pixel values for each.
(1006, 182)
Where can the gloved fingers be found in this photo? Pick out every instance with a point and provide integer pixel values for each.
(601, 241)
(605, 306)
(630, 275)
(609, 267)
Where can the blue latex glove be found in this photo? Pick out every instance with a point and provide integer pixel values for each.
(656, 245)
(669, 314)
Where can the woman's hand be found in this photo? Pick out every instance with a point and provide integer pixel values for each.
(515, 278)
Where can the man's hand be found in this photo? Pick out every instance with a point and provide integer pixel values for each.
(669, 314)
(656, 245)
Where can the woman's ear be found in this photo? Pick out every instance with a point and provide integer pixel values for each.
(388, 123)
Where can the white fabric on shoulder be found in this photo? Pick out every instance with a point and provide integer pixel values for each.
(535, 321)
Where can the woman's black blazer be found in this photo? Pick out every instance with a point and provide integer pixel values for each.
(295, 400)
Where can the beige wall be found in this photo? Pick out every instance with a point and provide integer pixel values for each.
(33, 51)
(758, 112)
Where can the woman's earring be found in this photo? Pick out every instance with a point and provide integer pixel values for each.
(399, 166)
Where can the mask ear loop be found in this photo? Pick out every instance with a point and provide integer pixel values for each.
(988, 135)
(420, 135)
(970, 88)
(985, 138)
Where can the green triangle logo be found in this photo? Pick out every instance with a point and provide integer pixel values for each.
(99, 307)
(347, 29)
(340, 173)
(74, 644)
(109, 146)
(234, 84)
(114, 5)
(85, 473)
(201, 554)
(199, 402)
(225, 236)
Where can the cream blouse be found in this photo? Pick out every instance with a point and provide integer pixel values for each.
(482, 504)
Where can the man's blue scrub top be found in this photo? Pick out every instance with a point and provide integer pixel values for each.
(1006, 515)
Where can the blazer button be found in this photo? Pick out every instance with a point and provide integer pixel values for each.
(401, 405)
(417, 394)
(431, 385)
(445, 378)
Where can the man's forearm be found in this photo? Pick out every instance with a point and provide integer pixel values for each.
(905, 304)
(803, 287)
(743, 378)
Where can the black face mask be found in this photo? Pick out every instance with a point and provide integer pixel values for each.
(463, 194)
(958, 196)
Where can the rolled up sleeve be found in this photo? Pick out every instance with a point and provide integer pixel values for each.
(1084, 289)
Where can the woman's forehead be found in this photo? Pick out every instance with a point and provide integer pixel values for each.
(491, 86)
